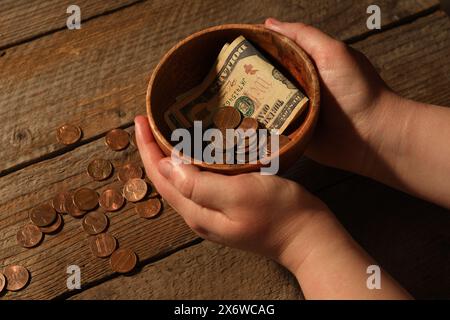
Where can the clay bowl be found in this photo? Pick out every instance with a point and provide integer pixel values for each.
(188, 62)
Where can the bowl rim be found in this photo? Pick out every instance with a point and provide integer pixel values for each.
(309, 122)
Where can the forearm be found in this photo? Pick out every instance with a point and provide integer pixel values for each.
(410, 149)
(329, 264)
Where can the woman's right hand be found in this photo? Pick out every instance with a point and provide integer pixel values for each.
(353, 99)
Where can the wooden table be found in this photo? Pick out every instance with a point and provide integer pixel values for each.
(96, 78)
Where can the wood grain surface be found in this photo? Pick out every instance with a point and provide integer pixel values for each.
(202, 271)
(24, 20)
(96, 77)
(406, 236)
(22, 190)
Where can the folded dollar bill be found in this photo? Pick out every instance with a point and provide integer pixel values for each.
(244, 79)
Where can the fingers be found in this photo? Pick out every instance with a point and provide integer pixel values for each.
(151, 154)
(148, 148)
(312, 40)
(207, 189)
(208, 223)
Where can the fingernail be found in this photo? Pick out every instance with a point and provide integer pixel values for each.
(165, 167)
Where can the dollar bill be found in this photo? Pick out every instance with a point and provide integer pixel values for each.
(241, 78)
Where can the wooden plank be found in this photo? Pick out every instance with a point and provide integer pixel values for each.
(22, 20)
(203, 271)
(96, 77)
(413, 59)
(23, 190)
(407, 236)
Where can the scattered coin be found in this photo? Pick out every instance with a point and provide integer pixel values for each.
(148, 209)
(72, 209)
(117, 139)
(53, 228)
(59, 202)
(29, 236)
(68, 134)
(248, 124)
(111, 200)
(135, 190)
(85, 199)
(99, 169)
(227, 118)
(123, 260)
(2, 282)
(17, 277)
(129, 171)
(103, 245)
(43, 215)
(95, 222)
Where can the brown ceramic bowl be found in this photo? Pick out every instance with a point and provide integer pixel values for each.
(188, 62)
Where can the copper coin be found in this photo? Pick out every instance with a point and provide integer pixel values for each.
(148, 209)
(117, 139)
(85, 199)
(103, 245)
(129, 171)
(99, 169)
(43, 215)
(68, 134)
(56, 226)
(29, 236)
(95, 222)
(72, 209)
(227, 118)
(135, 190)
(111, 200)
(248, 124)
(59, 202)
(123, 260)
(17, 277)
(2, 282)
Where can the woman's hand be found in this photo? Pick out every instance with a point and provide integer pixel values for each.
(258, 213)
(352, 93)
(267, 215)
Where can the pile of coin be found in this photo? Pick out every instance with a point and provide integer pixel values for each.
(91, 208)
(246, 144)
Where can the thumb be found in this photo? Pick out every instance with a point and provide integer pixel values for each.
(311, 39)
(207, 189)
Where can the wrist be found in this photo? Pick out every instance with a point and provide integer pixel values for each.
(310, 235)
(386, 144)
